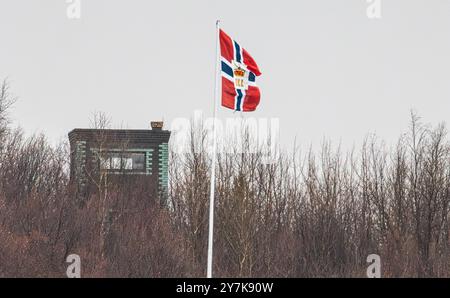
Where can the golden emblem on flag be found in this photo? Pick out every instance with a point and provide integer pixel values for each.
(240, 75)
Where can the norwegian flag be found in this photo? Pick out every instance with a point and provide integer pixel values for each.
(239, 72)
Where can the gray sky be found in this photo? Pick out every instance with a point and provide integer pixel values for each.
(328, 70)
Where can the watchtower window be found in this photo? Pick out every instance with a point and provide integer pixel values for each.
(137, 160)
(113, 161)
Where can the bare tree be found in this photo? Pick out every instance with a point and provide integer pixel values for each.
(6, 102)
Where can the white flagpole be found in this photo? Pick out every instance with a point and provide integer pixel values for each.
(213, 162)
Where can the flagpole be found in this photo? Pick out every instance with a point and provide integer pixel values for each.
(213, 161)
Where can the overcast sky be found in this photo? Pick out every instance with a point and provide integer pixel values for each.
(328, 70)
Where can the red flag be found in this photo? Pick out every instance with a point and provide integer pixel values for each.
(239, 72)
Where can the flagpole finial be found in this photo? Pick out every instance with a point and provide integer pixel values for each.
(217, 22)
